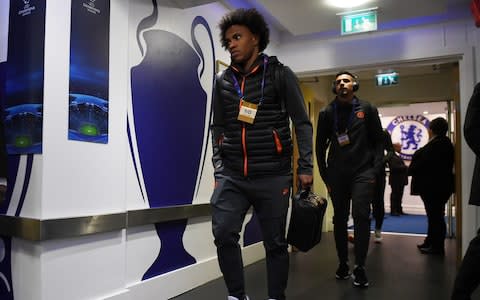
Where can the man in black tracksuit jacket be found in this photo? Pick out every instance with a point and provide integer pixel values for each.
(350, 129)
(468, 276)
(252, 150)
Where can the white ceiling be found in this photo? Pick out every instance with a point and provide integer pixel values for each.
(295, 18)
(304, 19)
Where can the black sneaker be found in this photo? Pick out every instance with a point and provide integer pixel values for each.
(423, 245)
(359, 277)
(433, 250)
(235, 298)
(343, 271)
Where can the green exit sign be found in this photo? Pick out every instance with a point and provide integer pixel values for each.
(360, 22)
(386, 79)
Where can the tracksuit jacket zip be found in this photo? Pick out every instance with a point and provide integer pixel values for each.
(244, 129)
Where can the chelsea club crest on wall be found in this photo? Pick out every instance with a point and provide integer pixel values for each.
(411, 131)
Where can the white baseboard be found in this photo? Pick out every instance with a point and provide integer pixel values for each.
(410, 209)
(180, 281)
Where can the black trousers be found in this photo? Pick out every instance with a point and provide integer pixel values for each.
(359, 190)
(435, 209)
(468, 276)
(230, 201)
(378, 204)
(396, 197)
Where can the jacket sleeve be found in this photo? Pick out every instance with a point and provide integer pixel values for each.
(471, 127)
(388, 146)
(417, 164)
(322, 144)
(303, 128)
(217, 126)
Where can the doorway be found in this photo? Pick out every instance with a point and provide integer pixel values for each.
(430, 83)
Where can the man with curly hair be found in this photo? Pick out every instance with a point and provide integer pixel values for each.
(254, 100)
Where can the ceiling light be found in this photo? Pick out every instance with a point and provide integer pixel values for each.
(425, 112)
(346, 3)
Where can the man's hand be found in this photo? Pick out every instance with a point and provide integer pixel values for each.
(305, 180)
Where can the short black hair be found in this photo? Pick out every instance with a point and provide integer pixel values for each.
(439, 126)
(346, 72)
(250, 18)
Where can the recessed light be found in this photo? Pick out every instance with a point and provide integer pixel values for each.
(425, 112)
(346, 3)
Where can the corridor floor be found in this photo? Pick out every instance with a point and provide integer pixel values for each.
(395, 268)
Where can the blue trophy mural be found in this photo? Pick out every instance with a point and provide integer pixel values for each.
(169, 116)
(6, 286)
(21, 97)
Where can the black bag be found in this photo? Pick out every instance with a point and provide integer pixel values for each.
(306, 220)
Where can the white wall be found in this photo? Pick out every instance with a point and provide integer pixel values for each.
(72, 178)
(4, 8)
(142, 243)
(80, 178)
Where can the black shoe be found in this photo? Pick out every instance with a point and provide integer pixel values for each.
(433, 251)
(360, 278)
(343, 271)
(423, 246)
(235, 298)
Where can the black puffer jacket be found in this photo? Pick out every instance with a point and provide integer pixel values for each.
(365, 151)
(264, 147)
(471, 131)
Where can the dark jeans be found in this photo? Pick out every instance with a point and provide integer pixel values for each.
(468, 276)
(359, 190)
(230, 201)
(435, 209)
(378, 204)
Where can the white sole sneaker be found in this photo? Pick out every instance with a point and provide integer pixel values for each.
(377, 236)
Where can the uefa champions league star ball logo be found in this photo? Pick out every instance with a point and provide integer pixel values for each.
(90, 7)
(27, 8)
(26, 4)
(411, 131)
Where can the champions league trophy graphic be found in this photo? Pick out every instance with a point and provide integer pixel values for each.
(4, 284)
(170, 110)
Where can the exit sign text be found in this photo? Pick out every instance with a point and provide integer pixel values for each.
(387, 79)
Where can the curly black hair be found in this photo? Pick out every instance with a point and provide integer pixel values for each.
(250, 18)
